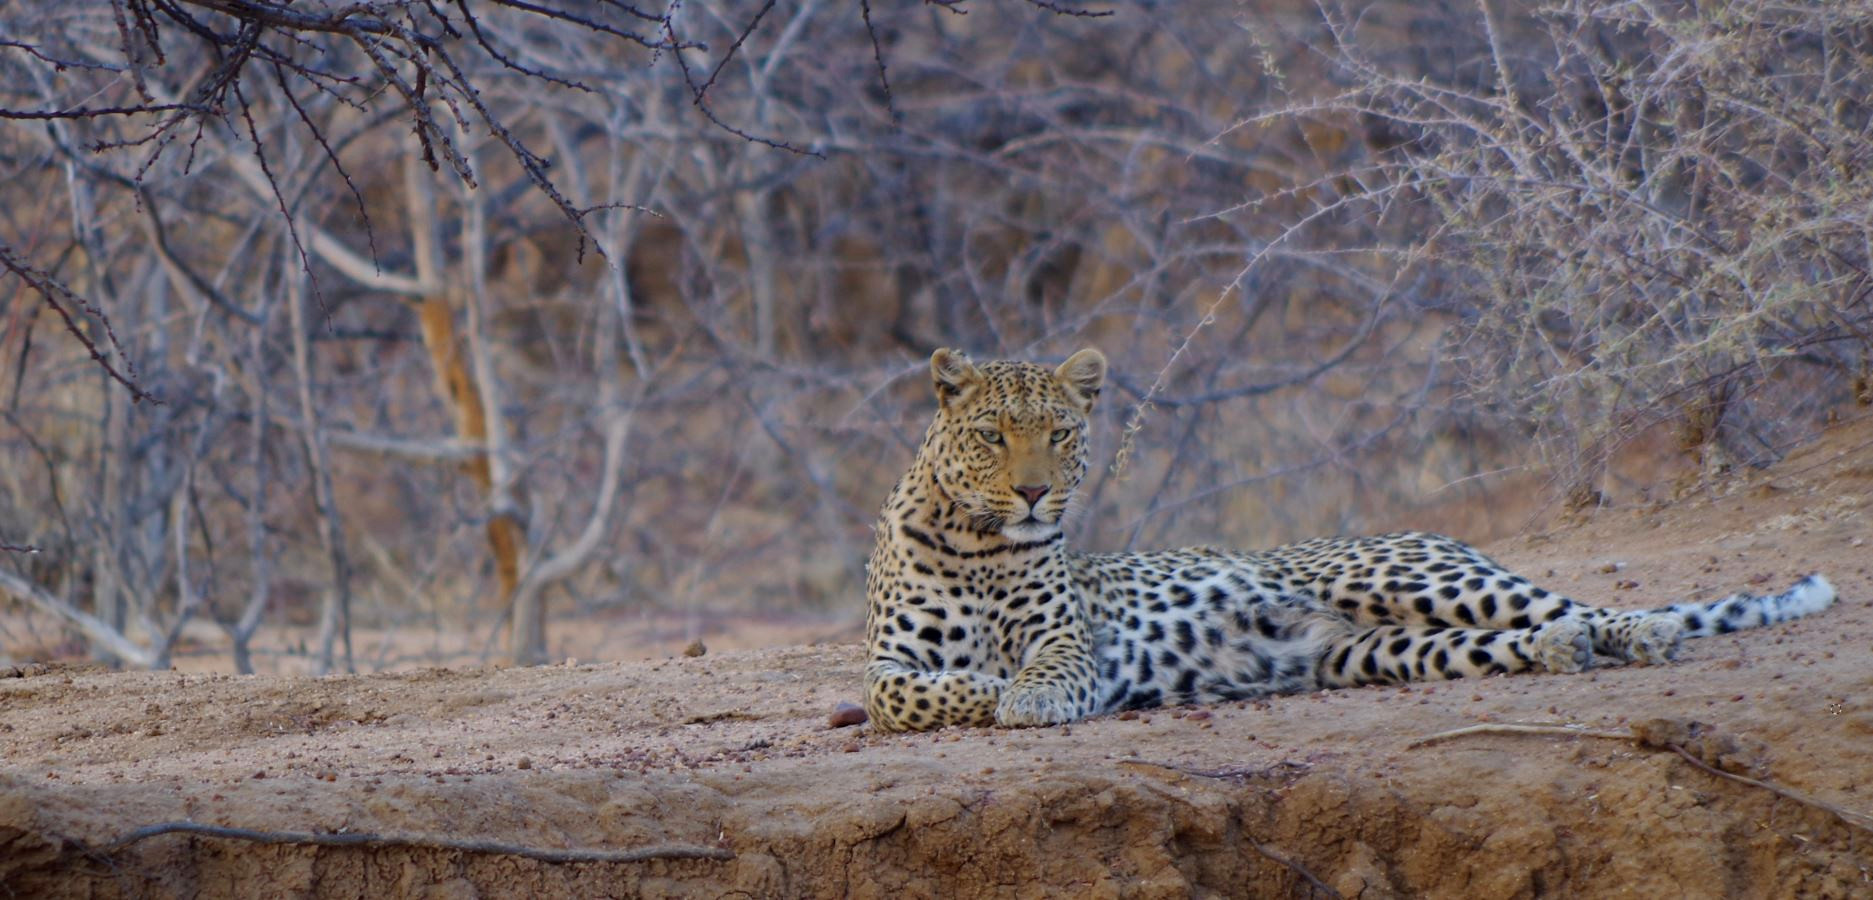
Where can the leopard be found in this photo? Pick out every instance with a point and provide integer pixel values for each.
(978, 614)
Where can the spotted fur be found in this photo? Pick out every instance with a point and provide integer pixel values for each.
(978, 613)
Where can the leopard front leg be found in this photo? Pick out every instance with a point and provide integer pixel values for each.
(1058, 685)
(899, 698)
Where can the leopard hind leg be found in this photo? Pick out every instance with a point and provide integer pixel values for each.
(1433, 581)
(1397, 654)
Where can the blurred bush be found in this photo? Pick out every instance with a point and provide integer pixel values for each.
(1357, 267)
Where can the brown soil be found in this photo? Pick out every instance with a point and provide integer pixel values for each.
(1314, 793)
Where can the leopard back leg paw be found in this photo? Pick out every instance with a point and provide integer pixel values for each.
(1650, 638)
(1563, 646)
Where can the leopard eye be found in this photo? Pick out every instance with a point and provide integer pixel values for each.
(989, 435)
(1060, 434)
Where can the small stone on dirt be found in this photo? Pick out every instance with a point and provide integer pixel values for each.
(846, 714)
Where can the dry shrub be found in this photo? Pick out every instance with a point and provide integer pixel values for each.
(1644, 212)
(1352, 262)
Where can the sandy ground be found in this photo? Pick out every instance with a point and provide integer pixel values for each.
(724, 770)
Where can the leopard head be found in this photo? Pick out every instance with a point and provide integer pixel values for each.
(1009, 442)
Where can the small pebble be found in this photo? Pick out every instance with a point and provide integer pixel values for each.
(846, 714)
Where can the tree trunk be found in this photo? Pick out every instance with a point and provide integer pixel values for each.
(457, 382)
(335, 618)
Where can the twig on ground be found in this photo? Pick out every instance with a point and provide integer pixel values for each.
(1511, 728)
(1275, 856)
(1853, 819)
(1292, 768)
(419, 841)
(1267, 852)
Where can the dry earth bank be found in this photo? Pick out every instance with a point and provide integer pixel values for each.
(732, 752)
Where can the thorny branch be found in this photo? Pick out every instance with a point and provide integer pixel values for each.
(410, 48)
(94, 112)
(69, 306)
(877, 54)
(701, 101)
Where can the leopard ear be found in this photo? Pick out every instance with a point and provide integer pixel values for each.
(954, 375)
(1082, 375)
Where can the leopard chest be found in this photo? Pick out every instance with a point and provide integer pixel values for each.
(941, 613)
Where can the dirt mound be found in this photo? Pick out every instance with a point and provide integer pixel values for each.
(722, 771)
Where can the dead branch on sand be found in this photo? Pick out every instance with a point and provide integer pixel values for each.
(1265, 851)
(1275, 856)
(1666, 734)
(1509, 728)
(420, 842)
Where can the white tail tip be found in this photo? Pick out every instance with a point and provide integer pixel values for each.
(1809, 595)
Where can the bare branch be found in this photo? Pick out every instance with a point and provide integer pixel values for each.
(701, 103)
(564, 563)
(426, 449)
(95, 630)
(332, 251)
(1076, 12)
(740, 39)
(64, 302)
(877, 52)
(96, 112)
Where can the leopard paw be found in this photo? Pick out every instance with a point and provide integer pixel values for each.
(1030, 704)
(1563, 646)
(1655, 639)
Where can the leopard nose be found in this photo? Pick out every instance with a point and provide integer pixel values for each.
(1034, 492)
